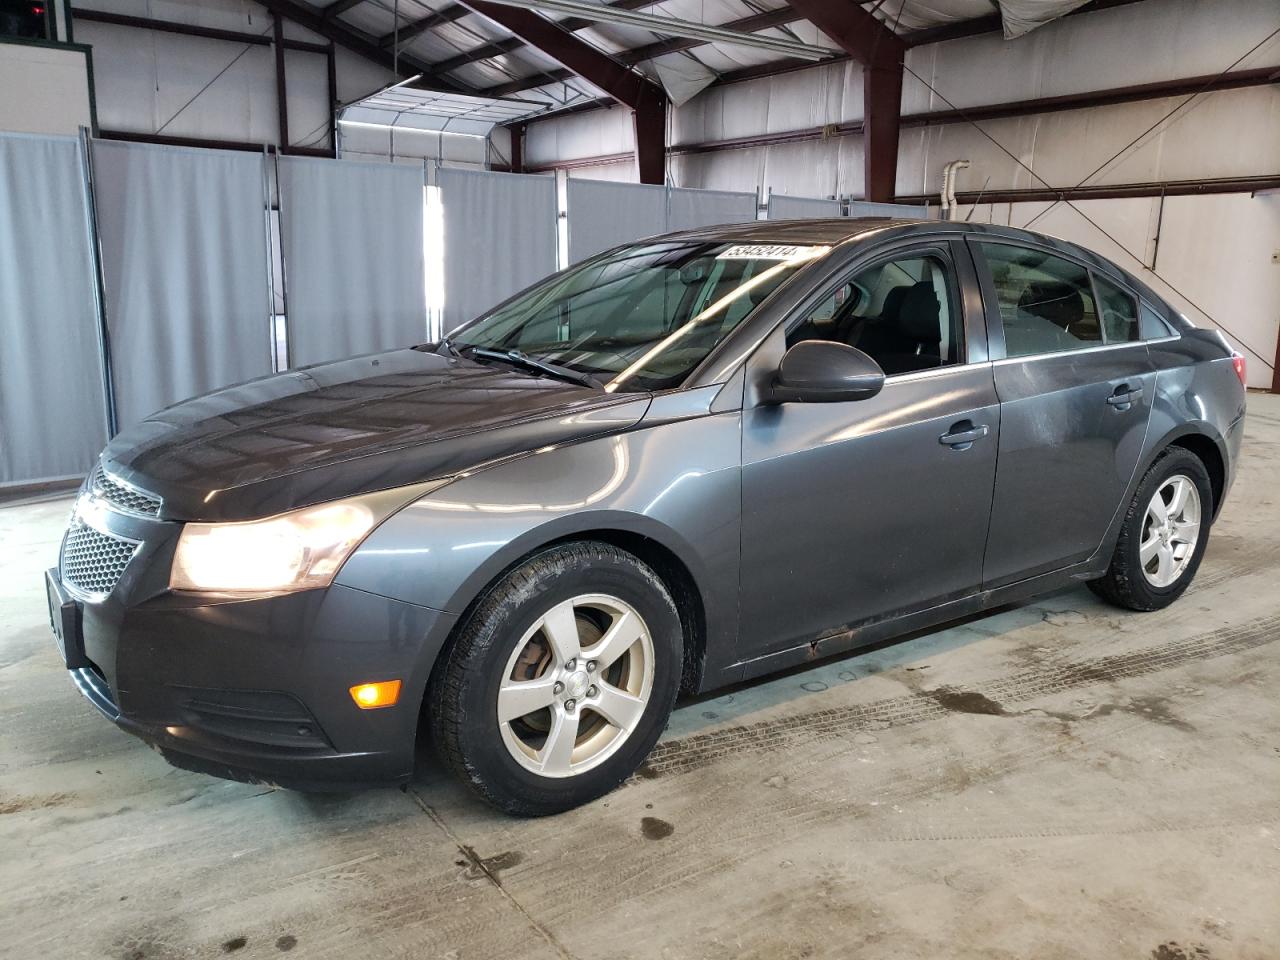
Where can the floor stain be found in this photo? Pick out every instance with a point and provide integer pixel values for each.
(701, 749)
(489, 868)
(655, 829)
(286, 943)
(1175, 951)
(1155, 709)
(22, 804)
(965, 701)
(234, 944)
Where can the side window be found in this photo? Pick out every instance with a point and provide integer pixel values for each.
(1119, 312)
(1046, 302)
(1153, 325)
(898, 311)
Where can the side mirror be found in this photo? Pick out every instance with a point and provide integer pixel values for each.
(823, 371)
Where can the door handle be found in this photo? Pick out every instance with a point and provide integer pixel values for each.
(962, 435)
(1124, 396)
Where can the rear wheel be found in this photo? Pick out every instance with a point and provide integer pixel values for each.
(560, 681)
(1165, 532)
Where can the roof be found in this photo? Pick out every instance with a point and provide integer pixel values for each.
(848, 229)
(818, 231)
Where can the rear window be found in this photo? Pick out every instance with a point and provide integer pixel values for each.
(1046, 302)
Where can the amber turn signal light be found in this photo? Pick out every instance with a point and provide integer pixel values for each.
(370, 696)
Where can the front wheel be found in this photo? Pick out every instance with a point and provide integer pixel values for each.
(560, 681)
(1165, 532)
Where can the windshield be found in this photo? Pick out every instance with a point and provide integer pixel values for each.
(641, 318)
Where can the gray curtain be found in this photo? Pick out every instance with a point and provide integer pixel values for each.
(499, 237)
(351, 234)
(689, 209)
(52, 414)
(604, 214)
(782, 207)
(867, 208)
(184, 262)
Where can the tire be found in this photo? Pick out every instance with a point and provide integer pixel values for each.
(1137, 585)
(512, 652)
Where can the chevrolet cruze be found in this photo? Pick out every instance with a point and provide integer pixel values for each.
(683, 463)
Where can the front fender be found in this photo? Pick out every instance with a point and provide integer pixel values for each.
(674, 483)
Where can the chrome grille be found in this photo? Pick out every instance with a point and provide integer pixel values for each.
(93, 561)
(122, 496)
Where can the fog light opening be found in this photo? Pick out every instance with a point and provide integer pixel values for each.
(371, 696)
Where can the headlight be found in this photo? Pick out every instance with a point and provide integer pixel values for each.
(300, 550)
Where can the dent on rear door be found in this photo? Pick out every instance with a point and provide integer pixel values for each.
(1066, 456)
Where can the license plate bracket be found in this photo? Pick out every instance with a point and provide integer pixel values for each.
(65, 619)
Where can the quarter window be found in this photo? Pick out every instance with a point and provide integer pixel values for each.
(898, 312)
(1153, 325)
(1119, 312)
(1046, 302)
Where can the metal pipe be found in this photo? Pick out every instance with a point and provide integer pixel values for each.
(949, 187)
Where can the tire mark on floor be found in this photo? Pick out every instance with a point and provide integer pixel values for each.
(1230, 558)
(677, 756)
(808, 803)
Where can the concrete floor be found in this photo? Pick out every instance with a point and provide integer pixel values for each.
(1060, 780)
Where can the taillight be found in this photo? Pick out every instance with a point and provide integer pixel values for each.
(1237, 361)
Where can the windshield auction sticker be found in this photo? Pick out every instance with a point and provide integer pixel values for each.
(771, 251)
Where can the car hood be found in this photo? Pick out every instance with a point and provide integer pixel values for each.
(339, 429)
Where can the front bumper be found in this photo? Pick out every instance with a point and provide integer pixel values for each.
(253, 689)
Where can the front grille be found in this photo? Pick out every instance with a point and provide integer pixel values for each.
(93, 561)
(122, 496)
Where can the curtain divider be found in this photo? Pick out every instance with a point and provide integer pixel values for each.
(99, 283)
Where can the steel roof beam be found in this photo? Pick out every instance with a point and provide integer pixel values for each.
(646, 99)
(672, 26)
(880, 51)
(360, 44)
(456, 12)
(339, 7)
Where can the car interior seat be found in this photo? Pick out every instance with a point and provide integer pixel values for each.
(908, 335)
(1049, 317)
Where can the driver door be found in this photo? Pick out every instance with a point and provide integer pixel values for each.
(859, 511)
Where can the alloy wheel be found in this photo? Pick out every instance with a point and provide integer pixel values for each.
(576, 685)
(1170, 531)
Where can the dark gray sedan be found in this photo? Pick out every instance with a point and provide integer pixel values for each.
(683, 463)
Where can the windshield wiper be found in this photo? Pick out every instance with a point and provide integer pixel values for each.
(526, 362)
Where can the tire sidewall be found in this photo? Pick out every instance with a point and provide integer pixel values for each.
(510, 609)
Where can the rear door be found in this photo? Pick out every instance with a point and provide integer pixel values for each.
(1075, 385)
(858, 511)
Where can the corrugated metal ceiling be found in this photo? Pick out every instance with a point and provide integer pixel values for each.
(447, 40)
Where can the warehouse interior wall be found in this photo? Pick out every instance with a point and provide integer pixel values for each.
(1215, 256)
(1215, 252)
